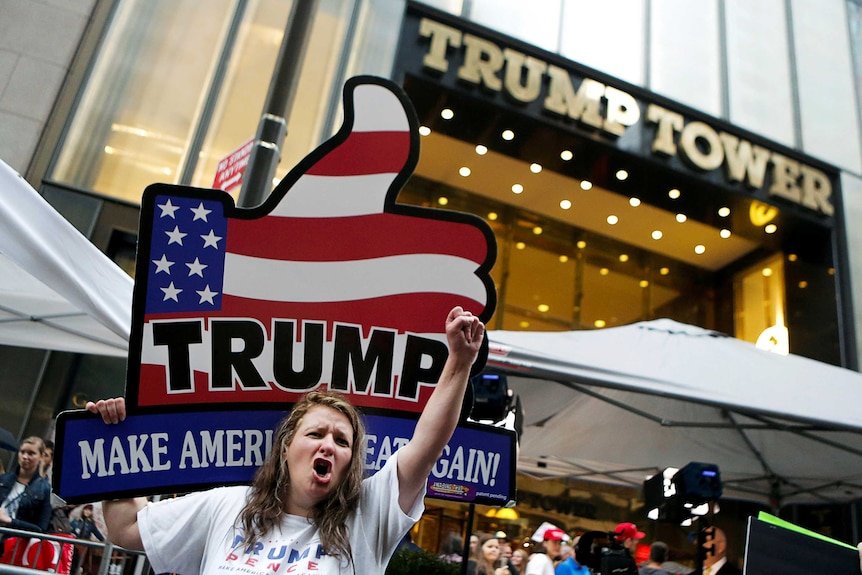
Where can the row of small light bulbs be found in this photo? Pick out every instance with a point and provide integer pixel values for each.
(621, 175)
(600, 323)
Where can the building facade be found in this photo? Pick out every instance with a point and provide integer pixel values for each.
(635, 158)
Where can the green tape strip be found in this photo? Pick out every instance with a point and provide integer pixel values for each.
(773, 520)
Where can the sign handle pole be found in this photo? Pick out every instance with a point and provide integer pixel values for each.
(272, 129)
(466, 552)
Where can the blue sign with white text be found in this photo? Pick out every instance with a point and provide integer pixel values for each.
(163, 453)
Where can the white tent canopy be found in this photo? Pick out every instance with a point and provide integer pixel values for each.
(57, 290)
(618, 404)
(610, 405)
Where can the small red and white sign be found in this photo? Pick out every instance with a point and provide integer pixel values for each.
(230, 169)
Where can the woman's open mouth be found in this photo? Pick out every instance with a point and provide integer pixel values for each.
(322, 468)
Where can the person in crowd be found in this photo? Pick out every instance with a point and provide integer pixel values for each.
(453, 548)
(566, 551)
(488, 560)
(570, 565)
(474, 545)
(506, 556)
(47, 462)
(627, 535)
(716, 563)
(83, 527)
(542, 562)
(658, 553)
(308, 503)
(24, 493)
(519, 559)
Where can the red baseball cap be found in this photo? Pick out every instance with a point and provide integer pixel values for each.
(628, 531)
(554, 534)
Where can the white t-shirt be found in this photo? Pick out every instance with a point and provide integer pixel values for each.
(13, 499)
(195, 534)
(540, 564)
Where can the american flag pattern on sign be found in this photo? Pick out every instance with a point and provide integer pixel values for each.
(329, 255)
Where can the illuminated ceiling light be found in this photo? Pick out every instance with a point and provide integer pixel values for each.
(803, 284)
(167, 171)
(673, 194)
(724, 233)
(442, 200)
(604, 271)
(524, 324)
(424, 131)
(622, 175)
(538, 230)
(543, 307)
(566, 204)
(464, 171)
(110, 150)
(664, 271)
(535, 168)
(656, 234)
(724, 211)
(481, 150)
(643, 283)
(599, 323)
(831, 271)
(586, 185)
(493, 216)
(770, 228)
(566, 155)
(508, 135)
(564, 258)
(517, 188)
(792, 257)
(699, 249)
(520, 245)
(613, 220)
(634, 202)
(767, 272)
(447, 114)
(681, 218)
(581, 244)
(624, 258)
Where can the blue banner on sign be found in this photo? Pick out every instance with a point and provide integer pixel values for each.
(181, 452)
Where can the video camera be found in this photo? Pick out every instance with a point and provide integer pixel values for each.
(604, 555)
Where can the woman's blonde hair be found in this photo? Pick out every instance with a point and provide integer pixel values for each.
(267, 501)
(35, 440)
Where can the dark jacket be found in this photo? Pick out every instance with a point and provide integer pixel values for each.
(34, 511)
(729, 569)
(84, 528)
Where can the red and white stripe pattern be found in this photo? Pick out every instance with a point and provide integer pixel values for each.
(332, 247)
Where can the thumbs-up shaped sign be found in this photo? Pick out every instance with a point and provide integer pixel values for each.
(328, 284)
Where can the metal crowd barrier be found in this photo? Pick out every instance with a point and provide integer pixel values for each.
(114, 560)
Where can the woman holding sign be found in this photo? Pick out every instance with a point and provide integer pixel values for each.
(309, 510)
